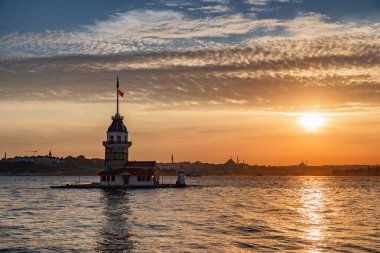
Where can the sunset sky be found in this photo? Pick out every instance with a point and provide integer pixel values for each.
(203, 80)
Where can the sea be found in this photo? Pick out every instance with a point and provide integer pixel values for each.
(216, 214)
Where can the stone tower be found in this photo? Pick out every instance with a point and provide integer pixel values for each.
(117, 144)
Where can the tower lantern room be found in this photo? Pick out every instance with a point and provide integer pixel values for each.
(117, 144)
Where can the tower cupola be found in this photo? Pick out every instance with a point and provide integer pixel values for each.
(117, 125)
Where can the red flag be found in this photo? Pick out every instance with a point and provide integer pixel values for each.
(121, 94)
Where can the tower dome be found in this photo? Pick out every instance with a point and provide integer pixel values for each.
(117, 124)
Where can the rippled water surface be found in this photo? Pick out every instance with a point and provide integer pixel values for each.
(224, 214)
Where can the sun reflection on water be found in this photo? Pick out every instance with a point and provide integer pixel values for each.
(312, 213)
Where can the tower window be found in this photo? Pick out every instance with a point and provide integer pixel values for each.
(112, 178)
(111, 138)
(118, 138)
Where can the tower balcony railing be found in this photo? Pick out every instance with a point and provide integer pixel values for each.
(116, 142)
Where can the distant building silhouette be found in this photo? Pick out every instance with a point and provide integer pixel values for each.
(230, 163)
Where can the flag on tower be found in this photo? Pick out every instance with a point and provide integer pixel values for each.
(121, 94)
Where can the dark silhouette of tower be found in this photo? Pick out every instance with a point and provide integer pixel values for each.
(117, 144)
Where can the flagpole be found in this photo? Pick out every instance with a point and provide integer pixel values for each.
(117, 95)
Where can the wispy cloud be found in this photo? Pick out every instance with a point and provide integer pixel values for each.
(172, 59)
(211, 9)
(216, 1)
(176, 3)
(264, 2)
(334, 72)
(158, 31)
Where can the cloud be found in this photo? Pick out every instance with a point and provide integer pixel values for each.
(216, 1)
(176, 3)
(134, 23)
(171, 60)
(211, 9)
(335, 72)
(315, 24)
(265, 2)
(147, 31)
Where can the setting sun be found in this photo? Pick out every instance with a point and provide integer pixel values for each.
(312, 121)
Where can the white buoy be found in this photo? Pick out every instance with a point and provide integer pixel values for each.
(181, 178)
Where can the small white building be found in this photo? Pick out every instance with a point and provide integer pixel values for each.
(118, 170)
(137, 173)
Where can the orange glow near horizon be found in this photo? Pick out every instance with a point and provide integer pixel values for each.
(257, 137)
